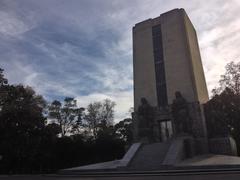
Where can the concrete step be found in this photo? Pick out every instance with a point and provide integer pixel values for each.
(150, 156)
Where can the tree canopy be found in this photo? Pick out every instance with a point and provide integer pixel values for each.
(222, 111)
(21, 124)
(37, 137)
(67, 115)
(230, 79)
(99, 115)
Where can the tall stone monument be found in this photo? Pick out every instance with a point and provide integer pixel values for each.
(166, 59)
(167, 62)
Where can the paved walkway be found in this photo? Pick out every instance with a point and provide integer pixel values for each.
(211, 160)
(197, 175)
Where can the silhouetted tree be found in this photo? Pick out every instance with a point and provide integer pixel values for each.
(21, 123)
(3, 88)
(222, 113)
(30, 143)
(124, 130)
(231, 79)
(3, 81)
(223, 110)
(99, 115)
(68, 115)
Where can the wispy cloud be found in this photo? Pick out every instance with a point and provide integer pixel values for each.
(84, 48)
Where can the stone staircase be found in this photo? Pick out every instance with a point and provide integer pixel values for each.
(149, 156)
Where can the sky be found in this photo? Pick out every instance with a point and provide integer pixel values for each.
(83, 48)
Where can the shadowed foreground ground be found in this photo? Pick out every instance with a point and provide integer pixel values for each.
(219, 176)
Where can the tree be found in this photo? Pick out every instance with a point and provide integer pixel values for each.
(124, 130)
(3, 81)
(68, 115)
(222, 111)
(231, 79)
(99, 115)
(3, 88)
(21, 125)
(22, 109)
(30, 143)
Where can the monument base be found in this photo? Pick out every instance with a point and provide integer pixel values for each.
(201, 145)
(179, 152)
(145, 157)
(223, 145)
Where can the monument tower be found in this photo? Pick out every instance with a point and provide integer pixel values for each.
(166, 59)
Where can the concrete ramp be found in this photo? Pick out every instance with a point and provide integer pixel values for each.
(106, 166)
(149, 156)
(180, 149)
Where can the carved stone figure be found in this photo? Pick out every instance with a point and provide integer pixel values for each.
(180, 114)
(145, 120)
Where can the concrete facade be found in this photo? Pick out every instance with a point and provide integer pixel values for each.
(143, 62)
(181, 56)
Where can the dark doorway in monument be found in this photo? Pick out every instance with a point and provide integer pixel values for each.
(165, 130)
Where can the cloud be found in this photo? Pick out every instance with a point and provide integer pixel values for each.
(83, 48)
(124, 102)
